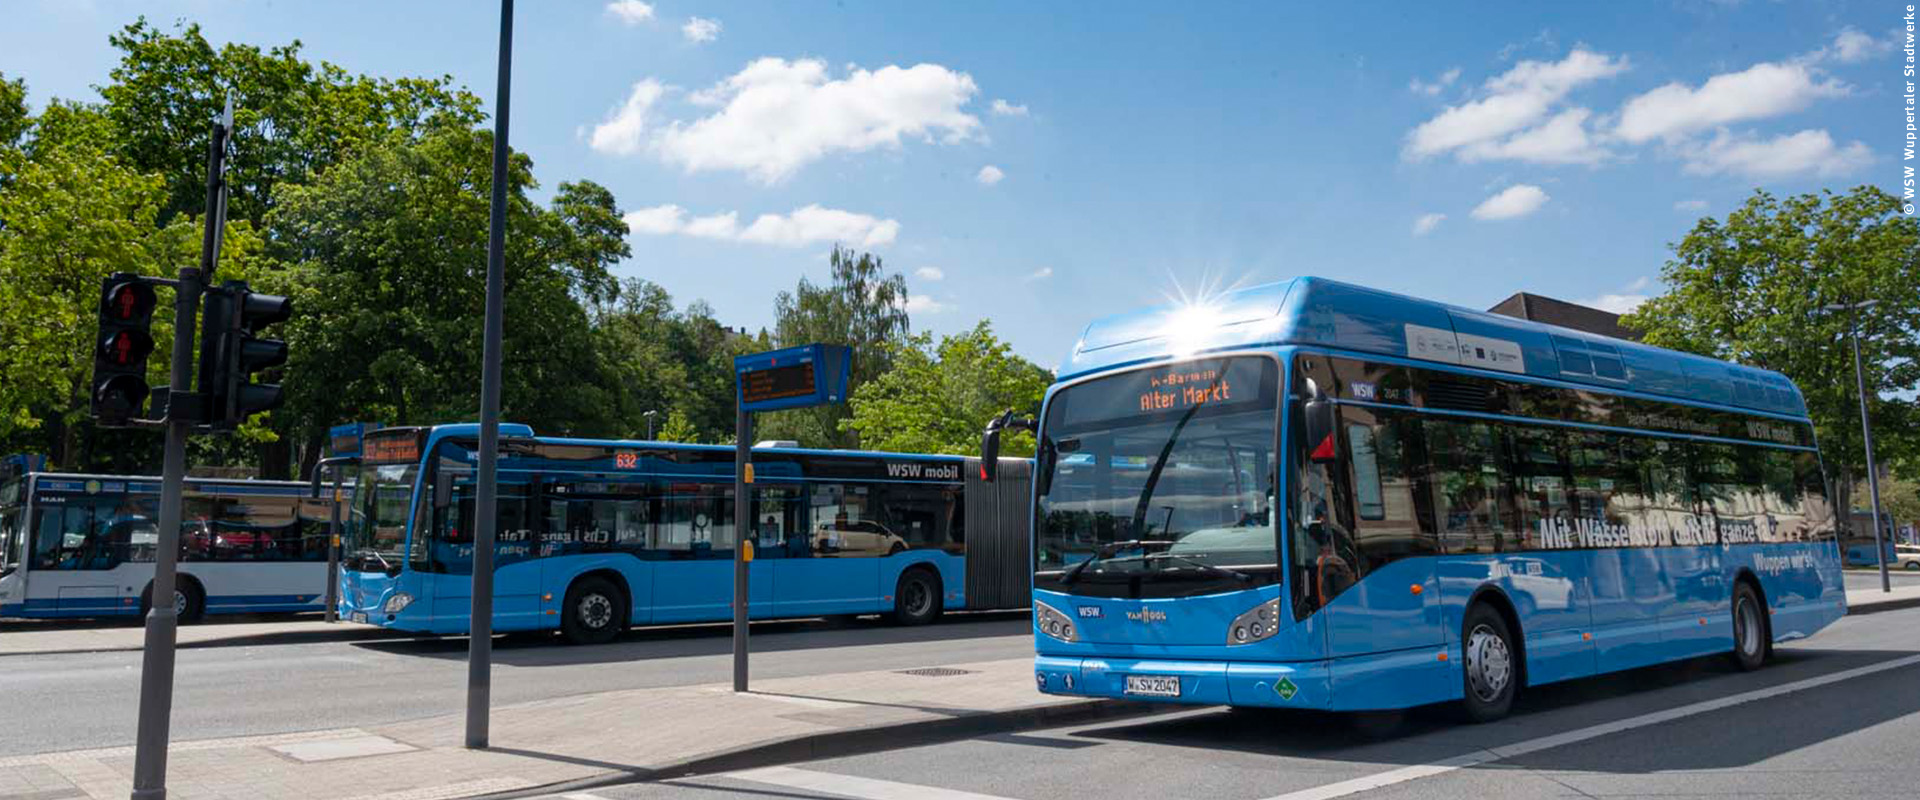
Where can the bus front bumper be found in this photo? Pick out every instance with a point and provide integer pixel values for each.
(1302, 684)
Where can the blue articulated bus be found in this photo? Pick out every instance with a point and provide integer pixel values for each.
(84, 545)
(1312, 494)
(594, 536)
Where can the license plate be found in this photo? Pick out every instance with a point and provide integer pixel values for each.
(357, 616)
(1154, 685)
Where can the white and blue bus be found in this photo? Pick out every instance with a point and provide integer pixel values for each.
(83, 546)
(1312, 494)
(594, 536)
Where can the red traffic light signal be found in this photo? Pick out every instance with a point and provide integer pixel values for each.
(128, 302)
(126, 348)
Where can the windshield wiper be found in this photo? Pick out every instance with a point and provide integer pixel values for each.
(1105, 550)
(1202, 566)
(385, 565)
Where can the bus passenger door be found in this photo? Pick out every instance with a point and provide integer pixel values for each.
(693, 557)
(1385, 626)
(832, 554)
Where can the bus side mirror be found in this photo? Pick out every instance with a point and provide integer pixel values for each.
(1318, 413)
(990, 442)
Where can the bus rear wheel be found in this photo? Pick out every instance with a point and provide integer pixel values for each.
(916, 599)
(1488, 664)
(1750, 629)
(188, 602)
(594, 611)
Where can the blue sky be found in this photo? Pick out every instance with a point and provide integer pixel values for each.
(1041, 165)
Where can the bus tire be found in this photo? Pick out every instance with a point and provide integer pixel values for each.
(1752, 631)
(916, 598)
(594, 611)
(189, 602)
(1489, 667)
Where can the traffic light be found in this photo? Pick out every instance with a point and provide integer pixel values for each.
(230, 353)
(120, 353)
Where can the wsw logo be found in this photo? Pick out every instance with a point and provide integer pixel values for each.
(915, 469)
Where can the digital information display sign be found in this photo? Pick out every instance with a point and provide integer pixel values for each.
(794, 377)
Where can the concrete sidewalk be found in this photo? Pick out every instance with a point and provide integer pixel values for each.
(1868, 601)
(581, 741)
(49, 637)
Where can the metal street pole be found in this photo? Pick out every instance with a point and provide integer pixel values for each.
(480, 642)
(1866, 433)
(333, 465)
(649, 416)
(156, 658)
(743, 539)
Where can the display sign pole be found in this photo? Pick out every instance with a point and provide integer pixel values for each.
(794, 377)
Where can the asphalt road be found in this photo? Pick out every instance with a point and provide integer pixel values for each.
(1869, 579)
(88, 700)
(1833, 717)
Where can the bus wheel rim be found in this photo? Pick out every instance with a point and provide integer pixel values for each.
(179, 603)
(1749, 621)
(596, 611)
(919, 598)
(1489, 663)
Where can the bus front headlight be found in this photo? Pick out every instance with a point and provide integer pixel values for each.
(1260, 623)
(1053, 623)
(398, 602)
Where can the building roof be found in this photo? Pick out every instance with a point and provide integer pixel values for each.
(1529, 306)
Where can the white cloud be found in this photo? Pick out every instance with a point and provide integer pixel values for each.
(1005, 109)
(1850, 46)
(990, 175)
(699, 29)
(1760, 91)
(1809, 151)
(1624, 301)
(1040, 274)
(777, 116)
(1690, 205)
(1560, 140)
(1516, 201)
(1426, 223)
(806, 225)
(632, 12)
(924, 304)
(621, 133)
(930, 274)
(1514, 101)
(1445, 80)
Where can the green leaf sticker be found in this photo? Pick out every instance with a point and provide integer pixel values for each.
(1286, 689)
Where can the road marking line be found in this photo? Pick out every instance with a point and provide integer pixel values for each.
(1404, 774)
(851, 786)
(581, 796)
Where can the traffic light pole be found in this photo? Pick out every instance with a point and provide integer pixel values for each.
(743, 539)
(156, 660)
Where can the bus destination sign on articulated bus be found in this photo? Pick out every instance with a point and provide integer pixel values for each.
(1317, 495)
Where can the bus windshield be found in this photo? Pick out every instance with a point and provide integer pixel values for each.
(376, 540)
(1160, 482)
(11, 514)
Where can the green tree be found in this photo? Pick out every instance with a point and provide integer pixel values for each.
(679, 428)
(1900, 498)
(389, 255)
(938, 399)
(864, 308)
(1750, 289)
(292, 119)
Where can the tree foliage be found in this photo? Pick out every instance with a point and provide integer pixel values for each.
(1751, 289)
(863, 308)
(938, 399)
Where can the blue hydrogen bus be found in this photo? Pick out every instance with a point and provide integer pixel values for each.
(1312, 494)
(594, 536)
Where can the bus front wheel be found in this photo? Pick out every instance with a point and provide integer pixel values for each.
(1750, 635)
(594, 611)
(188, 602)
(916, 599)
(1489, 664)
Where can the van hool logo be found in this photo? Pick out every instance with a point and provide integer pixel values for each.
(917, 469)
(1147, 615)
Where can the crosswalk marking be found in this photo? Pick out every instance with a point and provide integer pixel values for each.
(852, 786)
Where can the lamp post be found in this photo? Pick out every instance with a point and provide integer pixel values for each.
(649, 416)
(1866, 433)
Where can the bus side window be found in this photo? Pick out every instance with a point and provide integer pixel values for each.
(1786, 511)
(1467, 485)
(1379, 454)
(1542, 477)
(1813, 487)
